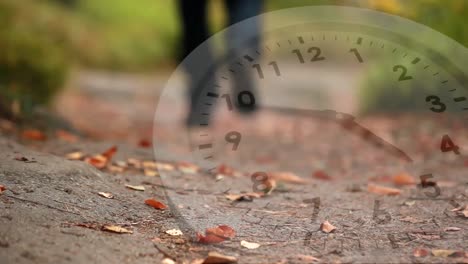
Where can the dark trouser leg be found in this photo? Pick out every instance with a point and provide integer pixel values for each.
(240, 10)
(194, 32)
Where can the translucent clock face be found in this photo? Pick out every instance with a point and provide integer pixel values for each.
(343, 115)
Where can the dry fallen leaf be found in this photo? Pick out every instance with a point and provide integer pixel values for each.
(164, 166)
(327, 227)
(174, 232)
(382, 190)
(412, 220)
(97, 161)
(225, 170)
(66, 136)
(109, 153)
(115, 169)
(151, 173)
(452, 229)
(135, 187)
(145, 143)
(168, 261)
(403, 179)
(218, 258)
(321, 175)
(442, 252)
(116, 229)
(249, 245)
(307, 258)
(286, 177)
(243, 196)
(155, 204)
(188, 168)
(420, 252)
(77, 155)
(2, 188)
(148, 164)
(461, 211)
(135, 163)
(106, 195)
(216, 234)
(21, 158)
(33, 134)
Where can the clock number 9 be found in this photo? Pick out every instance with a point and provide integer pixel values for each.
(234, 138)
(435, 100)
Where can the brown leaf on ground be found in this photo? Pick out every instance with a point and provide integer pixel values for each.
(135, 187)
(2, 188)
(382, 190)
(321, 175)
(98, 161)
(21, 158)
(33, 134)
(243, 196)
(109, 153)
(218, 258)
(155, 204)
(403, 179)
(287, 177)
(66, 136)
(116, 229)
(216, 234)
(77, 155)
(106, 195)
(327, 227)
(145, 143)
(225, 170)
(420, 252)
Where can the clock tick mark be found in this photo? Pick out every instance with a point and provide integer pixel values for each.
(247, 57)
(301, 40)
(359, 41)
(444, 81)
(435, 74)
(459, 99)
(416, 60)
(205, 146)
(210, 94)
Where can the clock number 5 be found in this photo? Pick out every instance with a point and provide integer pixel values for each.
(426, 184)
(438, 106)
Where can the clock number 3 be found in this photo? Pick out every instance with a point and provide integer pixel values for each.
(438, 106)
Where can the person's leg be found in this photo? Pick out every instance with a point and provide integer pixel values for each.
(194, 32)
(240, 10)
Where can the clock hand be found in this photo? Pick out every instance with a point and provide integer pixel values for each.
(348, 122)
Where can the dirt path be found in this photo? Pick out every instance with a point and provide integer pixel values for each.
(51, 210)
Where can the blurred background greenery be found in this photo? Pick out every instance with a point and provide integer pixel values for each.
(41, 39)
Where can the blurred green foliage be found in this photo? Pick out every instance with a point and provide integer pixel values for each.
(449, 17)
(33, 62)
